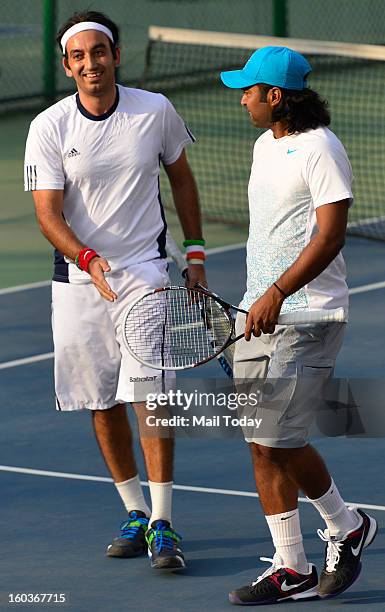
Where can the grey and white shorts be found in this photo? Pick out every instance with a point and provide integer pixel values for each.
(294, 361)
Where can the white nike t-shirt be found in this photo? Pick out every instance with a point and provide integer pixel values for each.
(290, 178)
(108, 167)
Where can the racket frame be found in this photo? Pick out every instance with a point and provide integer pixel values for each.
(201, 291)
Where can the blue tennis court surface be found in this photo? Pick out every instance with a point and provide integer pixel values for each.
(59, 510)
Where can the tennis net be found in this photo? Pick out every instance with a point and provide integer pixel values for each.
(185, 66)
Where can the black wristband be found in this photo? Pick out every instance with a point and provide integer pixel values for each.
(280, 290)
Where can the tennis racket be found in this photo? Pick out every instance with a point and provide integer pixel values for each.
(226, 357)
(175, 328)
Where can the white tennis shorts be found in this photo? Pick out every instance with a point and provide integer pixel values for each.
(93, 369)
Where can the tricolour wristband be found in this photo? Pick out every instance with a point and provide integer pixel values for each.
(84, 257)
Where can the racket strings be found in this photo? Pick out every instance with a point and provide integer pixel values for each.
(221, 330)
(176, 328)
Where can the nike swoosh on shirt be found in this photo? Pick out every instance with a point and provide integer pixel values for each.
(291, 151)
(290, 587)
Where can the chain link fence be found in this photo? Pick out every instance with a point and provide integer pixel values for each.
(21, 50)
(356, 21)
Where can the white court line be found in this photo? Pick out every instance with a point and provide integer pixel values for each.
(229, 247)
(18, 362)
(31, 472)
(18, 288)
(213, 251)
(45, 356)
(365, 288)
(352, 291)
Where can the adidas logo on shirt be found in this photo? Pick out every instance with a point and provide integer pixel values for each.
(73, 153)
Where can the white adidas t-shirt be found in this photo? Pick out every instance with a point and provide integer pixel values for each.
(290, 178)
(108, 167)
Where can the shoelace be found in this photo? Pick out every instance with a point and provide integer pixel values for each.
(333, 551)
(275, 565)
(129, 529)
(164, 538)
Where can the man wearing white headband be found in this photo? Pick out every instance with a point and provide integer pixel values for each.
(92, 162)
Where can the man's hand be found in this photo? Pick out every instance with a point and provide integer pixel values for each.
(97, 268)
(263, 314)
(196, 274)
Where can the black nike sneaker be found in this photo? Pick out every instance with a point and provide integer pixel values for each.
(132, 541)
(163, 548)
(277, 584)
(342, 557)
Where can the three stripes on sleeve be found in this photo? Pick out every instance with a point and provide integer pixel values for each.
(30, 177)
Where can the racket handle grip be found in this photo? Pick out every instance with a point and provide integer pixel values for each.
(336, 315)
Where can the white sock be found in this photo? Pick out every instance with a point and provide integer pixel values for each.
(285, 530)
(338, 518)
(161, 499)
(132, 495)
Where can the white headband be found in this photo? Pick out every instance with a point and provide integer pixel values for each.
(81, 27)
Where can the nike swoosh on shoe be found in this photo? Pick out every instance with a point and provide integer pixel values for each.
(290, 587)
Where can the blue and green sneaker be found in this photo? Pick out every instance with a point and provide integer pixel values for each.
(163, 548)
(131, 542)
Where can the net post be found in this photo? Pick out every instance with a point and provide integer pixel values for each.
(280, 18)
(49, 51)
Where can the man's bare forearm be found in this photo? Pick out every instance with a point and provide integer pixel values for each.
(52, 224)
(185, 195)
(60, 235)
(187, 206)
(49, 206)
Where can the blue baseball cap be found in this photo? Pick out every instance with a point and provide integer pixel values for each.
(277, 66)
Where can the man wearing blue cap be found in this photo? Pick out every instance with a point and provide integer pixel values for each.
(299, 195)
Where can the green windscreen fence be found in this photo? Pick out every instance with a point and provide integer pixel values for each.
(30, 61)
(30, 71)
(21, 68)
(185, 66)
